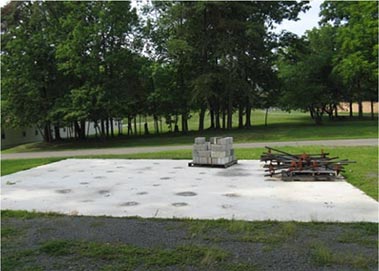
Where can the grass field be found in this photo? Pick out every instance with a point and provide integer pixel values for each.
(363, 174)
(282, 127)
(39, 241)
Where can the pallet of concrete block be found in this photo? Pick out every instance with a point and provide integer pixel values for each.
(218, 152)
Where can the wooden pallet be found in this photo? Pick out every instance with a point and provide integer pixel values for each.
(309, 175)
(192, 164)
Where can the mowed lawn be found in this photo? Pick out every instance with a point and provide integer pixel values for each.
(282, 126)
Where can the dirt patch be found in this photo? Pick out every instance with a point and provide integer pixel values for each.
(142, 193)
(63, 191)
(186, 194)
(99, 177)
(129, 203)
(179, 204)
(232, 195)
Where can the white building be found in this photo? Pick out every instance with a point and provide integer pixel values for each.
(20, 135)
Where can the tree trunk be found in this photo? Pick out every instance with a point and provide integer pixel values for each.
(176, 127)
(112, 130)
(217, 115)
(266, 114)
(240, 116)
(77, 130)
(82, 129)
(217, 119)
(248, 115)
(140, 130)
(107, 126)
(184, 123)
(212, 116)
(330, 112)
(360, 109)
(351, 109)
(230, 112)
(135, 125)
(156, 126)
(102, 128)
(223, 119)
(57, 133)
(47, 136)
(317, 114)
(201, 118)
(120, 127)
(372, 109)
(311, 113)
(130, 131)
(146, 127)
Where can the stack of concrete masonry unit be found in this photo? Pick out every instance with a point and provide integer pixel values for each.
(218, 151)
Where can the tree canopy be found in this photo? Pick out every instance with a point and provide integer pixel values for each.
(67, 63)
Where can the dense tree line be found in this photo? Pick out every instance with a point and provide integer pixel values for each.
(334, 63)
(66, 63)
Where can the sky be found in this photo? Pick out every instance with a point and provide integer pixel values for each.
(307, 21)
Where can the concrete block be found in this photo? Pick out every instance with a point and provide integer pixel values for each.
(220, 161)
(200, 140)
(215, 147)
(204, 160)
(200, 147)
(204, 153)
(229, 139)
(224, 141)
(213, 140)
(220, 154)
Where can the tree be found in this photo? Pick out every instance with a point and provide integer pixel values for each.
(100, 53)
(31, 81)
(220, 50)
(305, 68)
(357, 35)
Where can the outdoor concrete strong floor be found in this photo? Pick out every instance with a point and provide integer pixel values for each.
(169, 188)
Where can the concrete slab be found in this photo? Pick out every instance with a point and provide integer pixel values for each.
(169, 188)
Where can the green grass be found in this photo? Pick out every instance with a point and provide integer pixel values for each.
(11, 166)
(324, 256)
(20, 214)
(363, 174)
(132, 256)
(9, 232)
(282, 127)
(202, 249)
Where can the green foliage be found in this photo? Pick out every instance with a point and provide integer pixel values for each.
(356, 61)
(65, 63)
(306, 73)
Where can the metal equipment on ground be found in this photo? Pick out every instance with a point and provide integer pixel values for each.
(302, 167)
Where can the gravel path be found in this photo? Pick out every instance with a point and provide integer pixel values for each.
(250, 246)
(131, 150)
